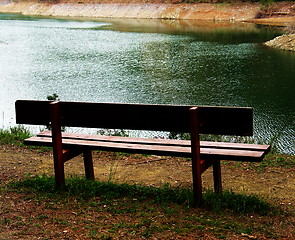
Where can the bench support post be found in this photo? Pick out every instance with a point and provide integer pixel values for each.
(57, 144)
(88, 164)
(217, 176)
(196, 156)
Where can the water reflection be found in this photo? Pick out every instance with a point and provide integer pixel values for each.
(149, 61)
(217, 31)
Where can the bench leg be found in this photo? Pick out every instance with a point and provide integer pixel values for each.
(88, 164)
(59, 167)
(196, 157)
(217, 176)
(57, 145)
(197, 183)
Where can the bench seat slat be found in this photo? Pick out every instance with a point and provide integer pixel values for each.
(181, 151)
(167, 142)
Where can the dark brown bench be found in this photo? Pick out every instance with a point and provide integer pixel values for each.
(183, 119)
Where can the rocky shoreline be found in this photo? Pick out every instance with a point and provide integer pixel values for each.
(280, 14)
(284, 14)
(284, 42)
(134, 10)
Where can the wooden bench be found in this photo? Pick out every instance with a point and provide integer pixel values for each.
(172, 118)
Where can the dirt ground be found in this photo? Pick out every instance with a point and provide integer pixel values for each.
(276, 183)
(22, 217)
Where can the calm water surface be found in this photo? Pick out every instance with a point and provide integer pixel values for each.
(149, 62)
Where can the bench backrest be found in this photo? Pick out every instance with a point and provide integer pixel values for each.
(173, 118)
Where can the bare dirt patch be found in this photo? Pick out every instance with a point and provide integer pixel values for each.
(24, 217)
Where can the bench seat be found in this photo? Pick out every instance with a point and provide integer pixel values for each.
(181, 148)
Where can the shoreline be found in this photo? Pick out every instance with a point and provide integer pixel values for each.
(281, 14)
(240, 12)
(131, 10)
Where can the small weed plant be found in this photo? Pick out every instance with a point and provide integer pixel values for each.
(113, 132)
(53, 97)
(14, 135)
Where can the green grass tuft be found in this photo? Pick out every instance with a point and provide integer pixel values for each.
(14, 136)
(81, 187)
(87, 189)
(240, 203)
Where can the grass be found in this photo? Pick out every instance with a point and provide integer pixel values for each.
(271, 160)
(14, 136)
(87, 189)
(87, 209)
(240, 203)
(105, 210)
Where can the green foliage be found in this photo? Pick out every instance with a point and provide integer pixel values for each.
(14, 135)
(178, 135)
(215, 138)
(266, 2)
(113, 132)
(53, 97)
(87, 189)
(50, 1)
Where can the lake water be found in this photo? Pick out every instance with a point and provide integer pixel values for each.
(149, 61)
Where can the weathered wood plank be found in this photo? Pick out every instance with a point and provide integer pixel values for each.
(167, 142)
(181, 151)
